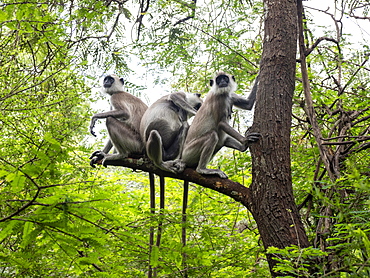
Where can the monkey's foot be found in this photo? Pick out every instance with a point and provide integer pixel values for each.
(96, 158)
(206, 171)
(174, 166)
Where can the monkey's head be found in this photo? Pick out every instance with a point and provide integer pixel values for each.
(223, 83)
(194, 100)
(113, 84)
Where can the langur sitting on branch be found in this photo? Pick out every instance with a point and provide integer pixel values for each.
(164, 127)
(123, 123)
(210, 130)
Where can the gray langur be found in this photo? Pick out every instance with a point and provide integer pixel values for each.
(164, 126)
(123, 122)
(210, 130)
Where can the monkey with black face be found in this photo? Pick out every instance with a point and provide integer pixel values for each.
(164, 127)
(210, 130)
(123, 122)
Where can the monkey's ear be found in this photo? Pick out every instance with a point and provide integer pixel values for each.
(122, 80)
(198, 95)
(211, 82)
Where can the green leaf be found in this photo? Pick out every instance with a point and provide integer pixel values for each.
(27, 229)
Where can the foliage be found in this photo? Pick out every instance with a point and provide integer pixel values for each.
(59, 217)
(296, 262)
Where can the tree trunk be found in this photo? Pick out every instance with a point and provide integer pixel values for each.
(272, 203)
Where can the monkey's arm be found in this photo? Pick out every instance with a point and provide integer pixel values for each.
(118, 114)
(245, 141)
(231, 131)
(246, 103)
(179, 100)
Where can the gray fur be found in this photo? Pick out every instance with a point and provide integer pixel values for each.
(164, 127)
(123, 123)
(210, 130)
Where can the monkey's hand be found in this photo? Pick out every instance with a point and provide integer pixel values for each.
(92, 124)
(252, 137)
(96, 158)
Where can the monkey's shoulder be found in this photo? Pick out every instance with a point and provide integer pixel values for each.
(122, 95)
(124, 101)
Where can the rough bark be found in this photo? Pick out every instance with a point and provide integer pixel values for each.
(272, 201)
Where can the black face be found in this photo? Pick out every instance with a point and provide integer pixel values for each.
(222, 81)
(108, 81)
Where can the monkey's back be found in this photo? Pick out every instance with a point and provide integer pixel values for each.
(162, 116)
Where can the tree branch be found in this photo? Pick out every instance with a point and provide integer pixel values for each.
(193, 6)
(26, 205)
(234, 190)
(310, 111)
(316, 43)
(144, 6)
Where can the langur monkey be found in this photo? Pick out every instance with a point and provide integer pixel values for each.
(164, 126)
(123, 122)
(210, 130)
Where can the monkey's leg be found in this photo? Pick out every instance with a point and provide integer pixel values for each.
(204, 149)
(206, 156)
(176, 147)
(124, 139)
(154, 150)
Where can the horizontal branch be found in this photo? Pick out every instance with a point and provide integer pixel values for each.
(348, 142)
(357, 138)
(234, 190)
(317, 42)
